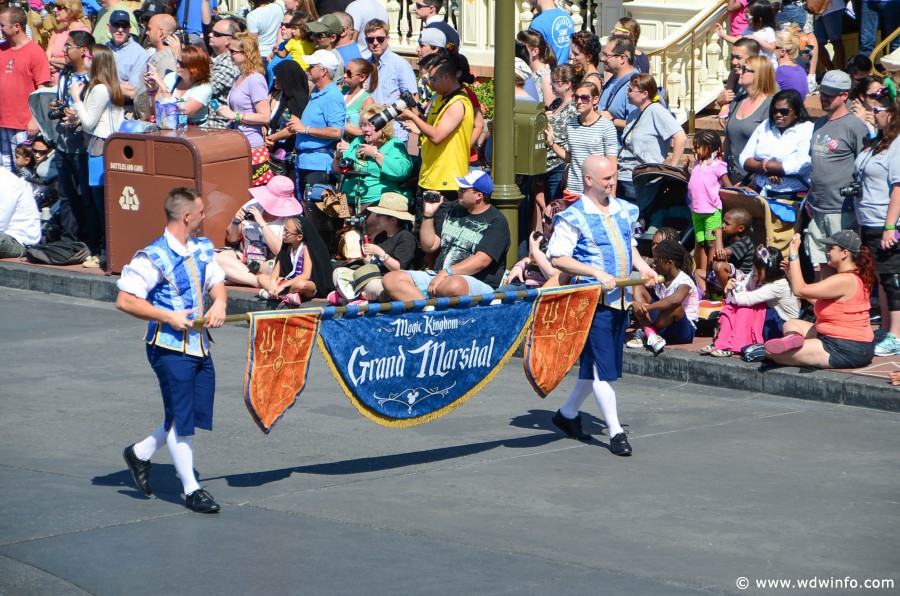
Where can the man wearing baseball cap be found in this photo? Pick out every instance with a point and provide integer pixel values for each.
(838, 138)
(325, 33)
(321, 125)
(472, 247)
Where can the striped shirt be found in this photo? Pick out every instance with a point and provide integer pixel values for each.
(599, 138)
(394, 75)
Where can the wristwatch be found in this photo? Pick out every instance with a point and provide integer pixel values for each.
(793, 257)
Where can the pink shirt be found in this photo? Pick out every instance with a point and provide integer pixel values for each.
(738, 20)
(56, 47)
(704, 185)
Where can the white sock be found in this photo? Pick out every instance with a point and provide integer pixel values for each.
(606, 399)
(146, 448)
(580, 392)
(183, 458)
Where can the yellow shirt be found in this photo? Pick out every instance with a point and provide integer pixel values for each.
(442, 164)
(298, 48)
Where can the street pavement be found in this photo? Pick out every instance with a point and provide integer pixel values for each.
(723, 485)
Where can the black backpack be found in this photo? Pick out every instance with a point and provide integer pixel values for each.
(62, 252)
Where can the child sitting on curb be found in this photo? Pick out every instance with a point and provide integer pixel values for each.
(672, 318)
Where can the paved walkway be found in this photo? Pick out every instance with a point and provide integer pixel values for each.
(724, 484)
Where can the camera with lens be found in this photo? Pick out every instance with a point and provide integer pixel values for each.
(57, 110)
(381, 119)
(358, 222)
(432, 196)
(852, 190)
(346, 164)
(181, 36)
(249, 217)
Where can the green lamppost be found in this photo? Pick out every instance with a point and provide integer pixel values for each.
(506, 195)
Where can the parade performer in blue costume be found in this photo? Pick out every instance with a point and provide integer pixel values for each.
(164, 284)
(592, 241)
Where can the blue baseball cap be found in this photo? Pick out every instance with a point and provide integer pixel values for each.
(478, 180)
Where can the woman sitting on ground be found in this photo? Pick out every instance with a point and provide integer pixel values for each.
(257, 230)
(842, 336)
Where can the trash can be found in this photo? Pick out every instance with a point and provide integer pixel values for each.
(141, 169)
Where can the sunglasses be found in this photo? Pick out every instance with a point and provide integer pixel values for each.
(231, 51)
(375, 38)
(763, 253)
(218, 34)
(40, 151)
(782, 111)
(745, 69)
(779, 47)
(879, 110)
(120, 26)
(878, 94)
(321, 35)
(420, 6)
(349, 73)
(179, 63)
(586, 98)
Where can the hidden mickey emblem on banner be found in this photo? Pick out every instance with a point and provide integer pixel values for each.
(411, 368)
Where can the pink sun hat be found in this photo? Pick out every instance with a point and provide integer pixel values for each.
(277, 197)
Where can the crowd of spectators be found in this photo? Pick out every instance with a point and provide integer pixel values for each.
(323, 99)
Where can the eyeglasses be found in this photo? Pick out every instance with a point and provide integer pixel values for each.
(366, 124)
(744, 69)
(586, 98)
(782, 111)
(633, 90)
(608, 56)
(233, 51)
(370, 39)
(288, 232)
(219, 34)
(67, 47)
(556, 82)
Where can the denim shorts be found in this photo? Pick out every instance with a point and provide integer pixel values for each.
(846, 353)
(423, 278)
(829, 27)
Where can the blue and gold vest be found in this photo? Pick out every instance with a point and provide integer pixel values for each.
(184, 278)
(605, 242)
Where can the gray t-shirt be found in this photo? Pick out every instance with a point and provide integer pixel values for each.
(738, 132)
(835, 146)
(646, 138)
(872, 173)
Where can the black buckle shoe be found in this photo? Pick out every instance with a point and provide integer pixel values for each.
(619, 445)
(201, 502)
(572, 428)
(140, 470)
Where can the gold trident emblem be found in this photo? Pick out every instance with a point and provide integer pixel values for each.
(550, 315)
(267, 346)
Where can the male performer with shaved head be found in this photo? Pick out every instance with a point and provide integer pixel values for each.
(592, 241)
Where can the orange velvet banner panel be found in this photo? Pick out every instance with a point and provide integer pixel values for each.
(560, 325)
(277, 363)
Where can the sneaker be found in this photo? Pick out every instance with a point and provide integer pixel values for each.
(721, 353)
(879, 335)
(619, 445)
(888, 346)
(571, 427)
(264, 294)
(638, 341)
(656, 343)
(91, 262)
(709, 349)
(290, 301)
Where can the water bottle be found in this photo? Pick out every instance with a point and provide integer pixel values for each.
(182, 122)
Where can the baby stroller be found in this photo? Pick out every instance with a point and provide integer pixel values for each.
(661, 192)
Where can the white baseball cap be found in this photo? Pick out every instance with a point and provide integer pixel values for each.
(323, 58)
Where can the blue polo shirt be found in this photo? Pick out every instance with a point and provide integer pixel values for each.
(131, 61)
(325, 109)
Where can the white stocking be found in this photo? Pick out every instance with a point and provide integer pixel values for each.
(606, 399)
(146, 448)
(580, 392)
(183, 458)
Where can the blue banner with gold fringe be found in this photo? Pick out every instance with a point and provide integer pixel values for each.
(401, 370)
